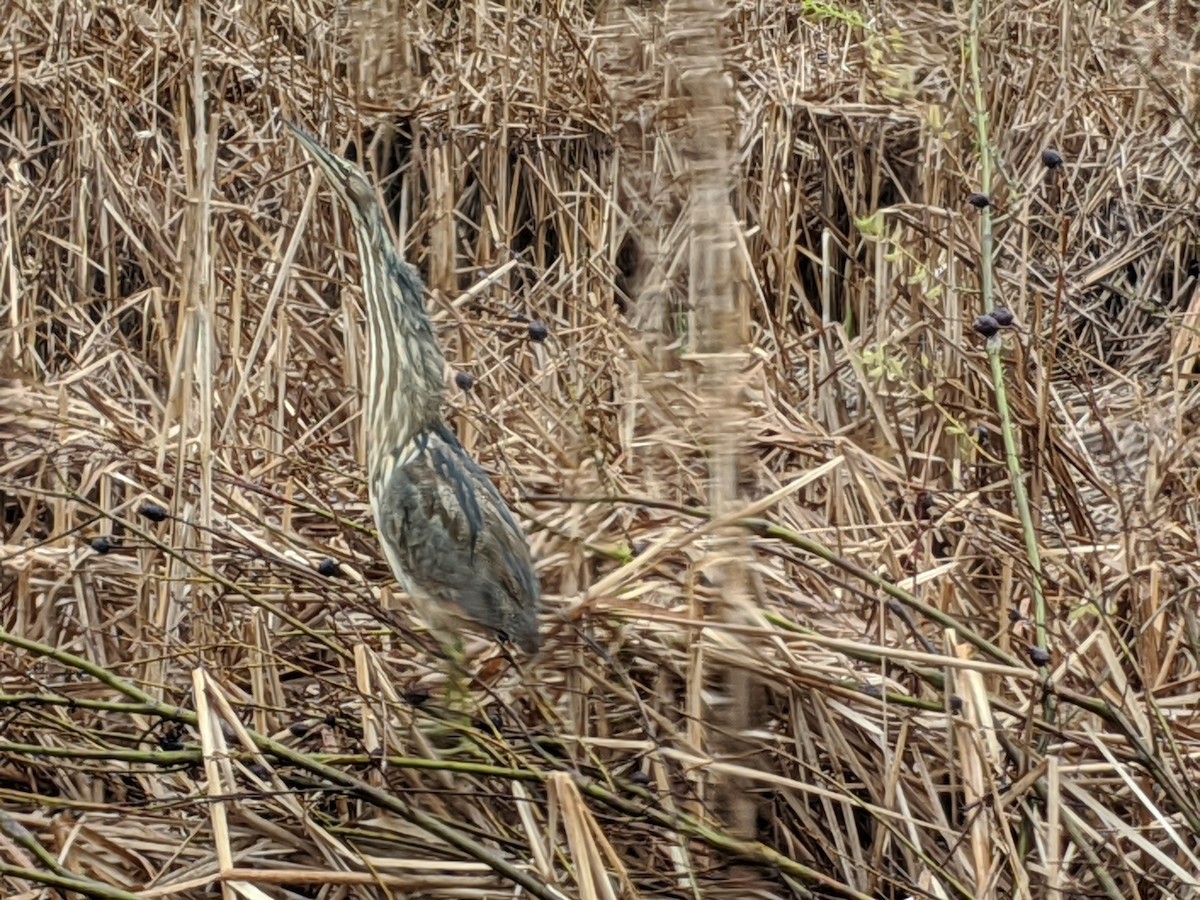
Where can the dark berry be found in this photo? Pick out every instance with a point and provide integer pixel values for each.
(298, 729)
(538, 332)
(101, 545)
(152, 511)
(464, 380)
(1051, 159)
(956, 703)
(979, 201)
(1003, 316)
(329, 568)
(987, 326)
(1039, 656)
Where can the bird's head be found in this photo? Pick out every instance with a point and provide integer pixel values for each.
(346, 178)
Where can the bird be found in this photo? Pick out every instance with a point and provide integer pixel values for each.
(450, 538)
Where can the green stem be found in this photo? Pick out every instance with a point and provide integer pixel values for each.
(1020, 497)
(380, 798)
(84, 886)
(55, 873)
(994, 346)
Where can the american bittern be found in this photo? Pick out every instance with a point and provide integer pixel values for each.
(451, 540)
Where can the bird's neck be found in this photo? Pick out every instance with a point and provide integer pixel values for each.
(405, 390)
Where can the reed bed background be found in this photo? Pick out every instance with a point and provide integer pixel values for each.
(791, 638)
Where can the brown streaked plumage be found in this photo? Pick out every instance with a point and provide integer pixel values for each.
(451, 540)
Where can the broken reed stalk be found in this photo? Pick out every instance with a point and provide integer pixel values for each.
(1141, 752)
(94, 265)
(380, 798)
(55, 874)
(325, 766)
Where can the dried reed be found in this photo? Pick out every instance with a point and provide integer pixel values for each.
(756, 385)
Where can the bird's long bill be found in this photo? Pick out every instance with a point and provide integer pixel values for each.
(332, 165)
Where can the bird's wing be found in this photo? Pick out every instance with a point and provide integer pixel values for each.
(454, 539)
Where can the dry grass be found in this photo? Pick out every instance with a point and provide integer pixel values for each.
(746, 231)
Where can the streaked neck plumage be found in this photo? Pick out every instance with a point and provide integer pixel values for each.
(404, 394)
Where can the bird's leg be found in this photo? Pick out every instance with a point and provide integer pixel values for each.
(458, 681)
(459, 707)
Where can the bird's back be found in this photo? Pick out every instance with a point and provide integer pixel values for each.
(450, 537)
